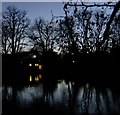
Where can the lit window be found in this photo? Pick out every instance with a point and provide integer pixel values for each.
(36, 64)
(30, 78)
(30, 64)
(40, 67)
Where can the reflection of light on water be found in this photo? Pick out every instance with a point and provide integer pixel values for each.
(85, 98)
(61, 94)
(40, 76)
(87, 85)
(80, 94)
(110, 98)
(102, 104)
(7, 91)
(40, 67)
(37, 78)
(30, 78)
(94, 100)
(29, 94)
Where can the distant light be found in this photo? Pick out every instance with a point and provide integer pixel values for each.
(73, 61)
(37, 78)
(40, 67)
(40, 76)
(36, 64)
(87, 85)
(30, 78)
(30, 64)
(34, 56)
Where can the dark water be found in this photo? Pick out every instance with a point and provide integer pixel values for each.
(61, 97)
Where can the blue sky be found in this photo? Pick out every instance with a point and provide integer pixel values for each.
(36, 9)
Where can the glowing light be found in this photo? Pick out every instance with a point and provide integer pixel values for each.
(30, 64)
(40, 76)
(87, 85)
(30, 78)
(73, 61)
(37, 78)
(36, 64)
(34, 56)
(40, 67)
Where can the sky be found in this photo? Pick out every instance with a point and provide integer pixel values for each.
(38, 9)
(58, 0)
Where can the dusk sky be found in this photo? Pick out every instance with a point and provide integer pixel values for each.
(36, 9)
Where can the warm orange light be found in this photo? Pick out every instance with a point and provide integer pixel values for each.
(36, 64)
(40, 76)
(40, 67)
(30, 78)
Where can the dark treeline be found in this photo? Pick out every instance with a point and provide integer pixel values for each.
(84, 40)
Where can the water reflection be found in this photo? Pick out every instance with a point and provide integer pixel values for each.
(69, 96)
(29, 94)
(35, 78)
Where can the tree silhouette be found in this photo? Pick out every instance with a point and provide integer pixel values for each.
(67, 37)
(102, 43)
(42, 35)
(106, 32)
(14, 27)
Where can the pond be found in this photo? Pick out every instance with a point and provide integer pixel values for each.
(61, 97)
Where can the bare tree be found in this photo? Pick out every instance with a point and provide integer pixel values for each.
(105, 39)
(14, 27)
(81, 30)
(66, 39)
(43, 34)
(0, 36)
(114, 33)
(106, 32)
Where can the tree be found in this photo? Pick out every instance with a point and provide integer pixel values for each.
(1, 37)
(106, 32)
(67, 40)
(43, 34)
(14, 27)
(102, 43)
(82, 29)
(114, 32)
